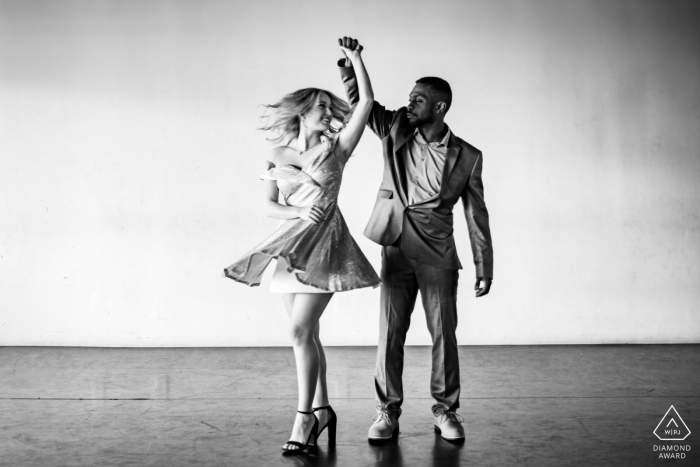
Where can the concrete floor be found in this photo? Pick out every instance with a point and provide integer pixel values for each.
(538, 406)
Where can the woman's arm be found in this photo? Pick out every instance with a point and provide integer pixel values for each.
(351, 134)
(274, 209)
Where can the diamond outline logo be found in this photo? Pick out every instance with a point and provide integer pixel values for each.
(674, 422)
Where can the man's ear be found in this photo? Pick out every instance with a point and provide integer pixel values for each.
(441, 108)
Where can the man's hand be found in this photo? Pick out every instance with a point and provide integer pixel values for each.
(480, 291)
(349, 45)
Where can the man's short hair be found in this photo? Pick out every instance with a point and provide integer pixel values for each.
(440, 89)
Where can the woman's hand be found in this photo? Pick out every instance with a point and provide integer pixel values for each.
(351, 49)
(312, 214)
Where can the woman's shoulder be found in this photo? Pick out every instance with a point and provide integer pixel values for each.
(281, 155)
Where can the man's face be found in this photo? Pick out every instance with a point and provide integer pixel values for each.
(421, 106)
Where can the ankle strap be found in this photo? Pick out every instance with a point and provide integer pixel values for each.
(316, 409)
(305, 413)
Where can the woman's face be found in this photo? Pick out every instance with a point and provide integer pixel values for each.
(319, 117)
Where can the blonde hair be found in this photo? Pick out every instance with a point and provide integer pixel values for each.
(282, 117)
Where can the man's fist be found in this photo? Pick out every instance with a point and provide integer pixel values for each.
(481, 291)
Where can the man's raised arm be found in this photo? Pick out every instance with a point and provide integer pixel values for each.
(380, 119)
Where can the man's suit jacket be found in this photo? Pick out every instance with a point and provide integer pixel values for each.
(425, 229)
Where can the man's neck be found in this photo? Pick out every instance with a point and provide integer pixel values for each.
(433, 132)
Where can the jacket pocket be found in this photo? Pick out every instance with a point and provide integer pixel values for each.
(388, 194)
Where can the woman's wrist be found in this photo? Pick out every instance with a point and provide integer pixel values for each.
(354, 57)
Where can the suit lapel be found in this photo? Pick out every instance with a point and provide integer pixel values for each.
(402, 137)
(399, 164)
(450, 159)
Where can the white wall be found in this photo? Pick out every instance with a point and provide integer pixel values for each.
(129, 161)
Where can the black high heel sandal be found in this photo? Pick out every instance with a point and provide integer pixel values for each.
(302, 447)
(332, 424)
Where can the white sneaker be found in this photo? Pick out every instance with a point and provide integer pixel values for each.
(449, 425)
(385, 426)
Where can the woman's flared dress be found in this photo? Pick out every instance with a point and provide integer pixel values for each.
(323, 256)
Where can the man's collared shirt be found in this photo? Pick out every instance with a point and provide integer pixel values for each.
(424, 164)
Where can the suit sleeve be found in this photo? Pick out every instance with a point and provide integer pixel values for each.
(380, 119)
(478, 221)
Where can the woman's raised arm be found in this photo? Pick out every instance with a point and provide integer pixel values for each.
(351, 134)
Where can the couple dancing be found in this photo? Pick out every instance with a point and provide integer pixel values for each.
(426, 170)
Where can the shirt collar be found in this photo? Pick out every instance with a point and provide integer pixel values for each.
(445, 141)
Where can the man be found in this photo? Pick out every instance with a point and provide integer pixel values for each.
(426, 170)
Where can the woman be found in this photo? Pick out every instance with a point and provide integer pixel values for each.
(316, 255)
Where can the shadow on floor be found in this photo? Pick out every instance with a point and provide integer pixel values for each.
(389, 454)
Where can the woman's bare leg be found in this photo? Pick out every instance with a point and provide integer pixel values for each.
(306, 310)
(288, 300)
(321, 395)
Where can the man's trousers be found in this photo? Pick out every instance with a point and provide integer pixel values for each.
(402, 279)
